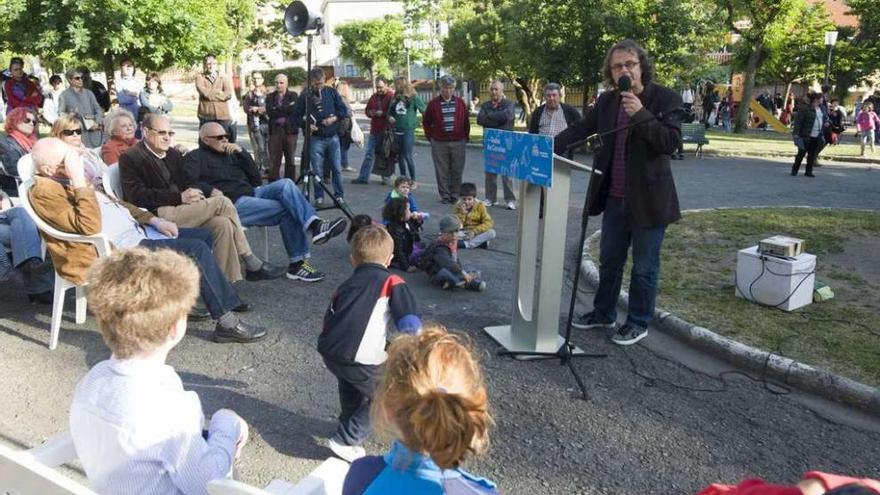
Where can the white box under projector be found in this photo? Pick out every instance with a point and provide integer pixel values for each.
(780, 278)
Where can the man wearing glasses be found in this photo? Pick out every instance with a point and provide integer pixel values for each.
(219, 167)
(21, 91)
(153, 178)
(635, 193)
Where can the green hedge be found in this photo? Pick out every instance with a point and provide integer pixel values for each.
(296, 76)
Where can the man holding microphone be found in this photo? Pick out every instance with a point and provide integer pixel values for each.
(638, 122)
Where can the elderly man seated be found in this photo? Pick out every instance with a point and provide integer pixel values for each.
(63, 198)
(219, 167)
(153, 178)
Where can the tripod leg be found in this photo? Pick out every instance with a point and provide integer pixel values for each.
(577, 378)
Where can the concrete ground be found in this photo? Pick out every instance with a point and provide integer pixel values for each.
(659, 420)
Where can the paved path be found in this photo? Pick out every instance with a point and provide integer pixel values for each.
(635, 435)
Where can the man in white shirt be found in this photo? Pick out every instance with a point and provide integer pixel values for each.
(135, 429)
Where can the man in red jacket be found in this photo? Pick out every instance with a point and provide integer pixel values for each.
(376, 110)
(447, 126)
(21, 91)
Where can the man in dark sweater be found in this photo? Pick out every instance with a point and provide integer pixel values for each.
(636, 192)
(497, 113)
(352, 341)
(219, 167)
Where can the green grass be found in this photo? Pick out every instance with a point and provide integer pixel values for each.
(697, 276)
(772, 142)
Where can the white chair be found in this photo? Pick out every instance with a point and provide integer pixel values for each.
(25, 168)
(102, 245)
(30, 472)
(326, 479)
(113, 181)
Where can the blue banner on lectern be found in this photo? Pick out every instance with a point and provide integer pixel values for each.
(519, 155)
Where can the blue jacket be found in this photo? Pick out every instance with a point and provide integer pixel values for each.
(404, 471)
(330, 104)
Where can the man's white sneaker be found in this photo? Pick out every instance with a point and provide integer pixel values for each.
(511, 205)
(348, 453)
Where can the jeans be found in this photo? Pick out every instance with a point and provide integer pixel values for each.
(344, 147)
(18, 232)
(215, 290)
(617, 236)
(446, 275)
(357, 382)
(405, 141)
(259, 134)
(319, 147)
(369, 155)
(280, 203)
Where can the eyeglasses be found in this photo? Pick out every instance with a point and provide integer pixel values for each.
(630, 65)
(76, 78)
(28, 121)
(220, 137)
(70, 132)
(162, 133)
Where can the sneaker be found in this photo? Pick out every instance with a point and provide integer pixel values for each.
(477, 286)
(484, 245)
(488, 203)
(328, 230)
(305, 272)
(511, 205)
(348, 453)
(591, 320)
(629, 334)
(319, 201)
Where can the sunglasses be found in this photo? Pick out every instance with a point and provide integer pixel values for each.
(28, 121)
(70, 132)
(220, 137)
(162, 133)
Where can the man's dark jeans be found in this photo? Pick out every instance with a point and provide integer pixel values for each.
(617, 236)
(216, 291)
(357, 382)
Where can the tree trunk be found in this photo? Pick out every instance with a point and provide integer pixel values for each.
(525, 95)
(742, 114)
(108, 72)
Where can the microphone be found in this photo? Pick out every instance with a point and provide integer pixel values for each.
(624, 83)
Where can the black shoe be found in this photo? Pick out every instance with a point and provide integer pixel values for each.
(266, 272)
(629, 334)
(328, 230)
(591, 320)
(243, 308)
(809, 175)
(241, 333)
(198, 314)
(794, 174)
(681, 156)
(359, 181)
(41, 298)
(305, 272)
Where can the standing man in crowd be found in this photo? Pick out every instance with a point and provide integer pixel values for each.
(283, 131)
(128, 88)
(327, 108)
(254, 103)
(377, 111)
(497, 113)
(215, 91)
(636, 192)
(553, 116)
(20, 91)
(448, 128)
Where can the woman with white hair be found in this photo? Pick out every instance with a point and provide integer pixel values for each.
(121, 128)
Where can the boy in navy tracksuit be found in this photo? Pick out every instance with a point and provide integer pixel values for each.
(352, 341)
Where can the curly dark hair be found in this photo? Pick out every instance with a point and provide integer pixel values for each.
(357, 223)
(645, 62)
(395, 210)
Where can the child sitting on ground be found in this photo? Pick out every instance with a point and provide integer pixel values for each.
(134, 427)
(352, 341)
(357, 223)
(399, 222)
(440, 259)
(433, 401)
(477, 223)
(403, 187)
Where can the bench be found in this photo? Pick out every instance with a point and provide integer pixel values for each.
(694, 133)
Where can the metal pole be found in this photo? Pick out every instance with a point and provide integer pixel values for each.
(408, 74)
(828, 64)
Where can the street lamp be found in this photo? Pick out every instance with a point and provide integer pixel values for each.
(407, 45)
(830, 40)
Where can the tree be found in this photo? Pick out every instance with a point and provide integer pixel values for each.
(374, 45)
(857, 52)
(753, 21)
(273, 35)
(154, 33)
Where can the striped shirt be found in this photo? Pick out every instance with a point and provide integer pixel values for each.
(552, 122)
(138, 432)
(618, 161)
(448, 109)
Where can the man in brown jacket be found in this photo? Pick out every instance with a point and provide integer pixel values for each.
(153, 178)
(63, 198)
(215, 91)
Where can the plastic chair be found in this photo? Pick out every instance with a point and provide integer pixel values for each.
(102, 245)
(30, 471)
(326, 479)
(113, 181)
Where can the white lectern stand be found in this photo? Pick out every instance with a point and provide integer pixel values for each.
(534, 326)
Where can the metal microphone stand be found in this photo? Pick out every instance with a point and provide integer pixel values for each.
(307, 176)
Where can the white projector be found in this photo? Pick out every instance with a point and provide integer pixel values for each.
(783, 246)
(783, 283)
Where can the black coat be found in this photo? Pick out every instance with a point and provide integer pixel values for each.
(404, 239)
(803, 121)
(651, 199)
(275, 111)
(236, 174)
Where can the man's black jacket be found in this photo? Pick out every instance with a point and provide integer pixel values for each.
(236, 174)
